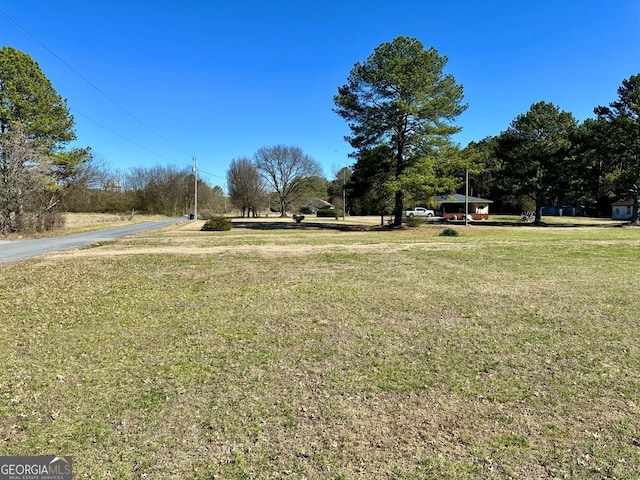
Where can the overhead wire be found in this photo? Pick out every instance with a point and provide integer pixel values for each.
(101, 92)
(200, 171)
(119, 135)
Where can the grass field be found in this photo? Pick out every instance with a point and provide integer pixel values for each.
(83, 222)
(278, 350)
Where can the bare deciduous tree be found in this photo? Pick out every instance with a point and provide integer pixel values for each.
(285, 168)
(22, 178)
(158, 190)
(246, 186)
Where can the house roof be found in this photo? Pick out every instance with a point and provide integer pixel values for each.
(459, 198)
(622, 203)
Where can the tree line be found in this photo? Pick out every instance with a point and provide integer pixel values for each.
(546, 158)
(162, 190)
(400, 106)
(41, 176)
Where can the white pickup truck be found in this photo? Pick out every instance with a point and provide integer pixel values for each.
(419, 212)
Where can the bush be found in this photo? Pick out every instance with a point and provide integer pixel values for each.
(414, 221)
(41, 222)
(327, 212)
(53, 221)
(217, 224)
(449, 232)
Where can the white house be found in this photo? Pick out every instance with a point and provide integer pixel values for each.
(622, 210)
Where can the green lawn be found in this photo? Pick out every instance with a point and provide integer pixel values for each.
(303, 352)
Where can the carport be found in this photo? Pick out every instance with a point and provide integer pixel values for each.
(452, 206)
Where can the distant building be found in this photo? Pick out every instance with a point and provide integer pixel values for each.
(622, 210)
(562, 211)
(453, 205)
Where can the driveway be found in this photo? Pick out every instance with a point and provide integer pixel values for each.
(11, 250)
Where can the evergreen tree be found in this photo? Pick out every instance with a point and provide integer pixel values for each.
(401, 98)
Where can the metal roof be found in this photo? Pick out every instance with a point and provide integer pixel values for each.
(622, 203)
(459, 198)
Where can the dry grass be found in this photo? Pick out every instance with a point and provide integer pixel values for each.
(82, 219)
(83, 222)
(314, 353)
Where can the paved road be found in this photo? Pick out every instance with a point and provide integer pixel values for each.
(11, 250)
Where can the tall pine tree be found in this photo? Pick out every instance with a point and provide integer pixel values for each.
(401, 98)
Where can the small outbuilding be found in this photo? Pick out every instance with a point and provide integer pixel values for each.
(622, 210)
(452, 206)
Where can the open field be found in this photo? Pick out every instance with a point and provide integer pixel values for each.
(278, 350)
(83, 222)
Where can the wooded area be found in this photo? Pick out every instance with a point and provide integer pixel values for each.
(400, 106)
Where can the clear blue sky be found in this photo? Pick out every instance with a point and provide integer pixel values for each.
(220, 79)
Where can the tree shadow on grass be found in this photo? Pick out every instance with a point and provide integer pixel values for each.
(350, 227)
(567, 224)
(291, 225)
(573, 225)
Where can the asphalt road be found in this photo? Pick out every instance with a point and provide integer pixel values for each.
(11, 250)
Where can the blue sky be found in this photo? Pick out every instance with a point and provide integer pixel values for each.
(155, 82)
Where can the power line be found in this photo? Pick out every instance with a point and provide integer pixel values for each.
(208, 174)
(120, 135)
(95, 87)
(101, 125)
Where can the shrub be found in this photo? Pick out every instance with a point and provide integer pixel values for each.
(40, 222)
(53, 221)
(414, 221)
(217, 224)
(449, 232)
(327, 212)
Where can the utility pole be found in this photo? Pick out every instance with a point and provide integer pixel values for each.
(466, 198)
(195, 189)
(224, 196)
(344, 193)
